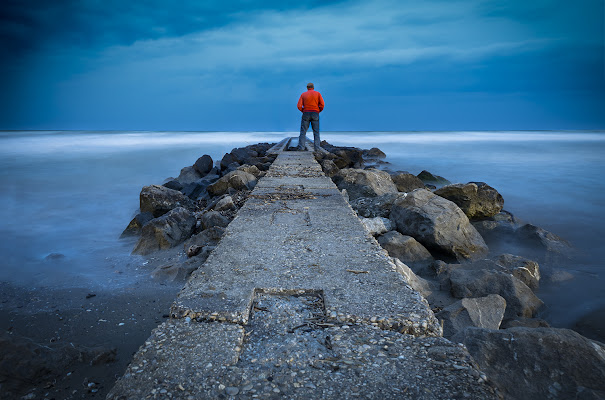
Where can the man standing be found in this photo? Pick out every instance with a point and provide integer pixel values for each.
(310, 104)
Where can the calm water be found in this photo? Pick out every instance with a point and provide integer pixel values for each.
(72, 193)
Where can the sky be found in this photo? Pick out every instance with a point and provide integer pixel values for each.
(381, 65)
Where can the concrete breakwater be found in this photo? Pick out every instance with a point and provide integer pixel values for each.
(298, 300)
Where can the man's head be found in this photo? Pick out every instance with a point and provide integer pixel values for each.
(310, 85)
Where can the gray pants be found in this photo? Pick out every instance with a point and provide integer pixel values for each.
(313, 118)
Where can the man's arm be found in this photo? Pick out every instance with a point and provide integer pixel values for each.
(321, 103)
(300, 103)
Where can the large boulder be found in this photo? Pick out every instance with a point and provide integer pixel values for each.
(135, 226)
(477, 199)
(482, 312)
(403, 247)
(527, 271)
(238, 180)
(520, 300)
(374, 152)
(329, 168)
(364, 183)
(498, 229)
(406, 182)
(251, 169)
(427, 177)
(213, 218)
(370, 207)
(158, 200)
(188, 175)
(417, 283)
(166, 231)
(542, 363)
(542, 241)
(438, 224)
(377, 226)
(203, 165)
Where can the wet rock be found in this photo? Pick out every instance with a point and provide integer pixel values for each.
(213, 218)
(329, 168)
(438, 224)
(404, 247)
(592, 325)
(238, 180)
(374, 152)
(406, 182)
(542, 363)
(558, 275)
(54, 257)
(417, 283)
(477, 199)
(483, 312)
(427, 177)
(377, 226)
(527, 271)
(364, 183)
(166, 231)
(203, 165)
(158, 200)
(188, 175)
(540, 239)
(173, 184)
(180, 271)
(525, 323)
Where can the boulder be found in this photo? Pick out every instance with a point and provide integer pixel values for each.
(592, 325)
(329, 168)
(541, 240)
(180, 271)
(251, 169)
(542, 363)
(527, 271)
(376, 226)
(207, 237)
(224, 204)
(403, 247)
(520, 300)
(477, 199)
(166, 231)
(213, 218)
(364, 183)
(482, 312)
(136, 225)
(406, 182)
(374, 152)
(438, 224)
(427, 177)
(173, 184)
(158, 200)
(380, 206)
(238, 180)
(198, 189)
(188, 175)
(203, 165)
(417, 283)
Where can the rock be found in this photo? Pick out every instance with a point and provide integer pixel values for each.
(173, 184)
(224, 204)
(438, 224)
(371, 207)
(238, 180)
(329, 168)
(203, 165)
(592, 325)
(477, 199)
(427, 177)
(539, 239)
(166, 231)
(158, 200)
(374, 152)
(208, 237)
(482, 312)
(406, 182)
(227, 160)
(53, 257)
(403, 247)
(417, 283)
(213, 218)
(520, 300)
(136, 225)
(180, 271)
(376, 226)
(364, 183)
(251, 169)
(525, 323)
(188, 175)
(558, 275)
(527, 271)
(198, 189)
(542, 363)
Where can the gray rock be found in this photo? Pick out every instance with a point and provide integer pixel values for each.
(329, 168)
(173, 184)
(179, 271)
(238, 180)
(403, 247)
(525, 323)
(377, 226)
(542, 363)
(477, 199)
(136, 225)
(203, 165)
(371, 207)
(188, 175)
(251, 169)
(427, 177)
(438, 224)
(520, 300)
(213, 218)
(527, 271)
(158, 200)
(364, 183)
(417, 283)
(374, 152)
(224, 204)
(482, 312)
(166, 231)
(542, 240)
(592, 325)
(406, 182)
(207, 237)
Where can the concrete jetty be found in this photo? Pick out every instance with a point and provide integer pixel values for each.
(299, 301)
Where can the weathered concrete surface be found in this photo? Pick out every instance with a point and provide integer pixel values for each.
(299, 301)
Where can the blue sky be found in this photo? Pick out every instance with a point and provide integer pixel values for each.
(241, 65)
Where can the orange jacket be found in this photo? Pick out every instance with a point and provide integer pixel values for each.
(311, 101)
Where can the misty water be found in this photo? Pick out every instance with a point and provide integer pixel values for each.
(67, 196)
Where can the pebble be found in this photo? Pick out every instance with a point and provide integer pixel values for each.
(232, 390)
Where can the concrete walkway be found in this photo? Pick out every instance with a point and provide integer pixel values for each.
(298, 301)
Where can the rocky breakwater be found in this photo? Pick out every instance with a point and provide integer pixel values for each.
(479, 267)
(193, 209)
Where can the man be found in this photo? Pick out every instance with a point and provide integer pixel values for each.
(310, 104)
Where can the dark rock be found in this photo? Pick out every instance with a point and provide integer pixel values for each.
(158, 200)
(329, 168)
(525, 323)
(377, 226)
(173, 184)
(527, 271)
(438, 224)
(225, 203)
(188, 175)
(477, 200)
(539, 239)
(427, 177)
(54, 257)
(482, 312)
(227, 160)
(213, 218)
(204, 164)
(180, 271)
(208, 237)
(542, 363)
(364, 183)
(166, 231)
(406, 182)
(380, 206)
(136, 225)
(403, 247)
(592, 325)
(374, 152)
(238, 180)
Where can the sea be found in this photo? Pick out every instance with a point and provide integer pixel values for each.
(67, 195)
